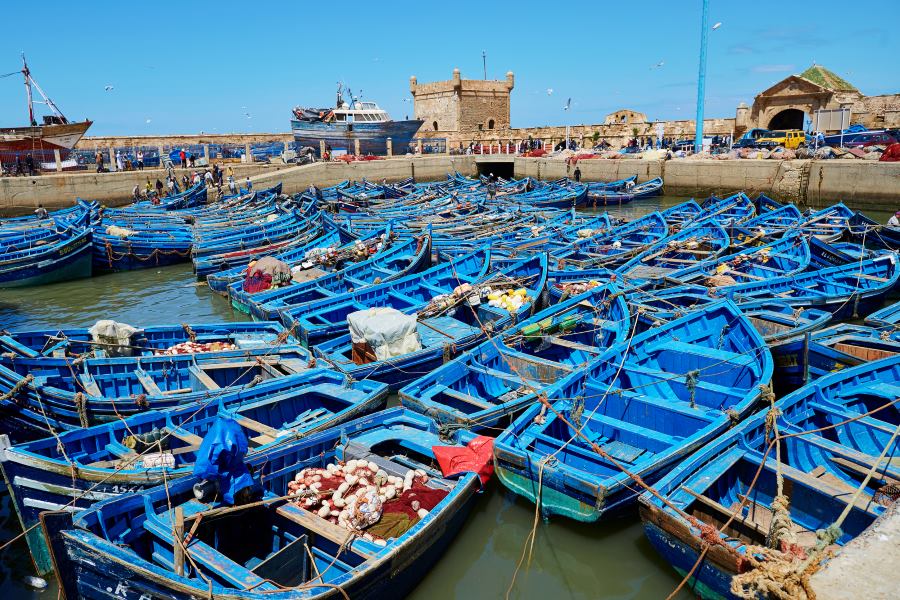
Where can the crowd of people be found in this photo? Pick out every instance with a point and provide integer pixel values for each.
(214, 179)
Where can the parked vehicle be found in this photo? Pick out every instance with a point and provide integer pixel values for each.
(792, 138)
(748, 140)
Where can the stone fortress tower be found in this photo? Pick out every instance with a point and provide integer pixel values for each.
(461, 105)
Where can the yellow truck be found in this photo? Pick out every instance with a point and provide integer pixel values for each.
(792, 138)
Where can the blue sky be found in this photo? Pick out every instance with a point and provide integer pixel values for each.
(188, 66)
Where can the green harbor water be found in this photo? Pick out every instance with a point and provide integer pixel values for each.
(568, 560)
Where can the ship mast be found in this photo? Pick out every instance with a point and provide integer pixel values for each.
(29, 81)
(27, 74)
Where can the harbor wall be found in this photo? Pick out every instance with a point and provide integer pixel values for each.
(815, 183)
(19, 195)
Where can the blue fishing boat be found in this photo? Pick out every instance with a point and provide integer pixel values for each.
(703, 241)
(829, 224)
(616, 197)
(637, 410)
(496, 380)
(731, 492)
(680, 214)
(783, 257)
(731, 211)
(275, 549)
(446, 325)
(142, 341)
(45, 395)
(62, 256)
(401, 258)
(869, 232)
(846, 291)
(829, 350)
(613, 247)
(74, 470)
(349, 124)
(767, 226)
(834, 254)
(319, 321)
(888, 316)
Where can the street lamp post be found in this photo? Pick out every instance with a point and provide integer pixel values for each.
(701, 78)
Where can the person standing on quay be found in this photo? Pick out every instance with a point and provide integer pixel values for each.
(140, 160)
(159, 188)
(120, 166)
(231, 187)
(171, 184)
(183, 156)
(98, 158)
(577, 174)
(249, 183)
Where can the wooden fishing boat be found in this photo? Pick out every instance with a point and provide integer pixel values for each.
(834, 254)
(612, 248)
(888, 316)
(145, 341)
(321, 320)
(829, 224)
(846, 292)
(869, 232)
(445, 331)
(701, 242)
(49, 396)
(64, 255)
(273, 549)
(77, 468)
(731, 211)
(493, 382)
(767, 226)
(644, 405)
(830, 350)
(680, 214)
(731, 488)
(610, 197)
(397, 259)
(783, 257)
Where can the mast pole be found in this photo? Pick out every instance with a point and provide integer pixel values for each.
(27, 75)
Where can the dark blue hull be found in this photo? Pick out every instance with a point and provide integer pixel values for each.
(70, 260)
(707, 582)
(372, 137)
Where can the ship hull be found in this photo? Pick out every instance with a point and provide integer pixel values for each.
(372, 136)
(42, 137)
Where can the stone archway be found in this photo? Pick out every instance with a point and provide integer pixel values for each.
(789, 118)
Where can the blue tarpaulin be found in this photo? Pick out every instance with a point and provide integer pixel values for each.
(221, 458)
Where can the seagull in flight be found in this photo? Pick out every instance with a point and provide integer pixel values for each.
(568, 104)
(717, 25)
(549, 91)
(109, 88)
(658, 65)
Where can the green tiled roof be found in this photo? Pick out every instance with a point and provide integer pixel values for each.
(822, 76)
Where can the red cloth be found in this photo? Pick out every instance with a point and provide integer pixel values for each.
(427, 497)
(477, 457)
(257, 282)
(891, 154)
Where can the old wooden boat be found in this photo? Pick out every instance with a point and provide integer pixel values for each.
(273, 549)
(78, 468)
(395, 259)
(869, 232)
(846, 291)
(785, 256)
(444, 329)
(493, 382)
(731, 211)
(61, 255)
(638, 409)
(888, 316)
(47, 397)
(697, 243)
(612, 248)
(730, 488)
(318, 321)
(143, 341)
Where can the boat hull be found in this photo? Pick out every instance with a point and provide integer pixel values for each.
(72, 260)
(42, 137)
(372, 137)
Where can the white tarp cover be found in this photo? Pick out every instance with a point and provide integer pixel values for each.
(111, 332)
(387, 330)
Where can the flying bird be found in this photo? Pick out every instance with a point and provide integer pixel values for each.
(109, 88)
(658, 65)
(148, 121)
(717, 25)
(568, 104)
(549, 91)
